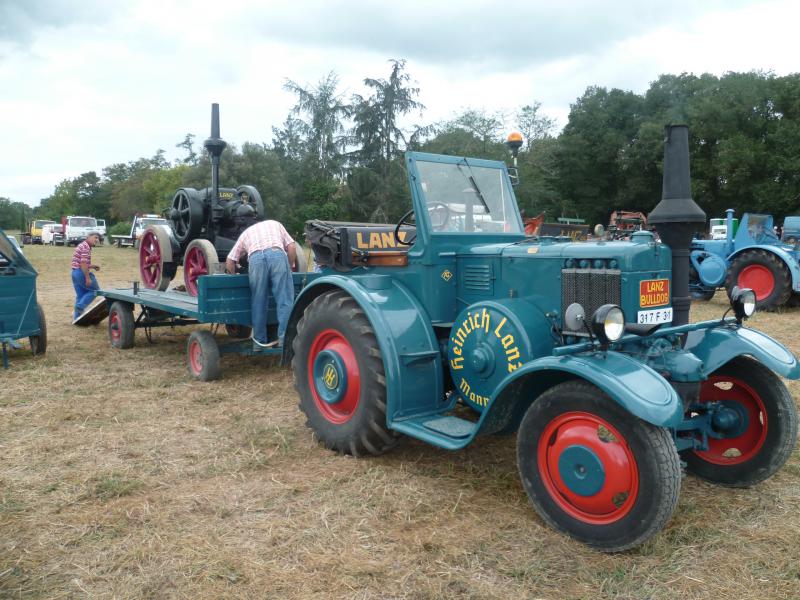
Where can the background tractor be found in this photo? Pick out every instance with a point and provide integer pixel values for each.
(752, 256)
(203, 226)
(452, 324)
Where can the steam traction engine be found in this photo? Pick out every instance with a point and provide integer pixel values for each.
(203, 226)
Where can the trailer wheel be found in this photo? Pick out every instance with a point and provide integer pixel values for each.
(121, 327)
(756, 445)
(339, 375)
(199, 259)
(765, 274)
(156, 265)
(593, 470)
(202, 354)
(39, 342)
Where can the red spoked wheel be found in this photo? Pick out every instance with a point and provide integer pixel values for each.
(199, 259)
(593, 470)
(156, 265)
(759, 279)
(753, 425)
(334, 376)
(588, 468)
(340, 377)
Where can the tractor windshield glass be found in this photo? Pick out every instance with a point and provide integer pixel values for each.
(82, 222)
(462, 197)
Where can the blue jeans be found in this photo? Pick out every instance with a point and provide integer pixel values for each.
(83, 295)
(269, 271)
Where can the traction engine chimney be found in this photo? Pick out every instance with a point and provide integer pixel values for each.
(215, 145)
(677, 216)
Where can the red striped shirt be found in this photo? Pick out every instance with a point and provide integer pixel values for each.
(82, 255)
(261, 236)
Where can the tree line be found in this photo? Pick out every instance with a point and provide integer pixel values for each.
(341, 158)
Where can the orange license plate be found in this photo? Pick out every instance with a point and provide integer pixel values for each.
(653, 292)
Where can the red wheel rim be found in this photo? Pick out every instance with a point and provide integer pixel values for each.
(739, 449)
(150, 260)
(114, 326)
(334, 342)
(196, 357)
(195, 264)
(759, 279)
(616, 491)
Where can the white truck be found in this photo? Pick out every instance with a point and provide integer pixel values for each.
(78, 229)
(53, 234)
(140, 223)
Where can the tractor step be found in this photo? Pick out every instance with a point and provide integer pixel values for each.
(451, 433)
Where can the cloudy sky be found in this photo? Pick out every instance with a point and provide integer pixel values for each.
(87, 83)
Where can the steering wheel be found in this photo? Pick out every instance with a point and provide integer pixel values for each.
(408, 221)
(441, 210)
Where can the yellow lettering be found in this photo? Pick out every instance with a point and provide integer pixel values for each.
(461, 334)
(464, 387)
(512, 354)
(513, 367)
(507, 341)
(360, 241)
(499, 327)
(387, 239)
(375, 240)
(456, 363)
(457, 350)
(485, 321)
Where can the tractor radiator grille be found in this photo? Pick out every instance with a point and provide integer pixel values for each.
(478, 278)
(591, 288)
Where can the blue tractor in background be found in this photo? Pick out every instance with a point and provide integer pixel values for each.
(21, 316)
(752, 256)
(453, 324)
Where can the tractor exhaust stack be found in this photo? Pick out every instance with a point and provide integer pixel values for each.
(677, 216)
(215, 145)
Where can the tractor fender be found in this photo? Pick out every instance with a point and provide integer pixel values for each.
(409, 347)
(717, 346)
(787, 258)
(633, 385)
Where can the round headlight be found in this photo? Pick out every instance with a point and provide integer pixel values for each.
(608, 323)
(743, 301)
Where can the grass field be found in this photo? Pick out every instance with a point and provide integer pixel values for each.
(120, 477)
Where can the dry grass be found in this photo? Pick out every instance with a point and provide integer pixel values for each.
(120, 477)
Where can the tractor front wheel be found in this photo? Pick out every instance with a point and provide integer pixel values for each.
(202, 356)
(121, 326)
(765, 274)
(594, 471)
(756, 430)
(340, 377)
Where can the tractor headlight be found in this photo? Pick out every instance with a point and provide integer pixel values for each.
(608, 323)
(743, 301)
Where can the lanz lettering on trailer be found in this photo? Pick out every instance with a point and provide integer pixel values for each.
(653, 292)
(376, 240)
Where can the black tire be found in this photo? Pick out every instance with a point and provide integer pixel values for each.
(39, 342)
(121, 326)
(353, 418)
(644, 477)
(202, 356)
(238, 332)
(771, 434)
(766, 262)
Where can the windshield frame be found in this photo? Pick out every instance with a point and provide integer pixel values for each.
(467, 166)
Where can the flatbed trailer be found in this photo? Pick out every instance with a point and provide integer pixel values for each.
(221, 300)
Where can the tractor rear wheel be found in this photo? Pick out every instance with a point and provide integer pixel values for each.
(121, 326)
(199, 259)
(39, 342)
(594, 471)
(202, 356)
(156, 264)
(340, 377)
(765, 274)
(761, 440)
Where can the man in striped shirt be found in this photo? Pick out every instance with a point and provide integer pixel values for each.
(271, 253)
(84, 282)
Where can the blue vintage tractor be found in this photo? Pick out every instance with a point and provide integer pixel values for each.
(452, 324)
(751, 256)
(21, 316)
